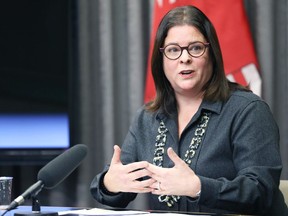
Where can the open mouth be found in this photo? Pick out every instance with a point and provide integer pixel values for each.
(186, 72)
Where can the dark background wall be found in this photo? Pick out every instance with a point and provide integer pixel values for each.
(34, 74)
(34, 55)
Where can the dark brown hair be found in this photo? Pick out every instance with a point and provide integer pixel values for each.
(217, 88)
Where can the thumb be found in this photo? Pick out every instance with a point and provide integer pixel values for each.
(116, 155)
(174, 157)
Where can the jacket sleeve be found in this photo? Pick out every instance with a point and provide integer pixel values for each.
(256, 157)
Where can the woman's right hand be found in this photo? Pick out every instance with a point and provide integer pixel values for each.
(127, 178)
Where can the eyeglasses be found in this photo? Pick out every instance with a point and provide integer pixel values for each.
(174, 51)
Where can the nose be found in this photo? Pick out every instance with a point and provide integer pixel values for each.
(185, 57)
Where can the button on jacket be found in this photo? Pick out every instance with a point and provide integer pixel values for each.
(238, 161)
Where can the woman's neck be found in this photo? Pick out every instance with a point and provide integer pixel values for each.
(187, 107)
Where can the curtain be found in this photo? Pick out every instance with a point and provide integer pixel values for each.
(108, 65)
(110, 54)
(269, 26)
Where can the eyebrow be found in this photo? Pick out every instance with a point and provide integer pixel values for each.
(205, 42)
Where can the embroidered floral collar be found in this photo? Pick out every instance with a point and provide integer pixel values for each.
(161, 138)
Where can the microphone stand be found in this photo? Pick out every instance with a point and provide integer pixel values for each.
(36, 208)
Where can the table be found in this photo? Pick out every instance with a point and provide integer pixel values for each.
(53, 211)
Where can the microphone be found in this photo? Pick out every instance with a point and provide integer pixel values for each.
(58, 169)
(53, 173)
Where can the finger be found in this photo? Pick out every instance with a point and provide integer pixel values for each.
(140, 173)
(155, 185)
(141, 190)
(153, 168)
(132, 167)
(144, 186)
(174, 157)
(157, 173)
(148, 183)
(116, 155)
(158, 189)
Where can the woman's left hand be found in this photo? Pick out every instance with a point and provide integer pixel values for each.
(178, 180)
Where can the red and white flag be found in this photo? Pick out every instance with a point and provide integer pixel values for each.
(231, 24)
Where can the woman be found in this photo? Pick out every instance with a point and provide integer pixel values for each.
(204, 144)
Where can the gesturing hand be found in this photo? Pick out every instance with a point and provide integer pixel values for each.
(178, 180)
(125, 178)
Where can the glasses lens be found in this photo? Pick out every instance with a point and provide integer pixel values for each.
(172, 51)
(196, 49)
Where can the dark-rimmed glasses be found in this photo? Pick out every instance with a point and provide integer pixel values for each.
(174, 51)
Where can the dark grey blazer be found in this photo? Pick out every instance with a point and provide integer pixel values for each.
(238, 161)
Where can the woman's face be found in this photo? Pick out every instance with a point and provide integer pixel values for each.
(187, 75)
